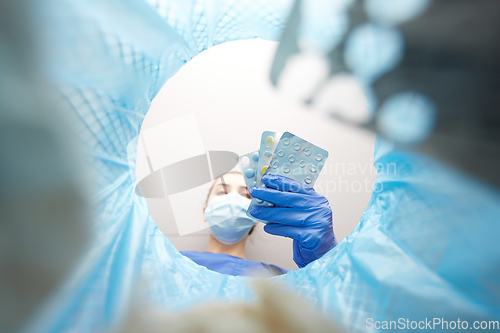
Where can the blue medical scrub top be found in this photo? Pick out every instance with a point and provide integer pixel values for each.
(226, 264)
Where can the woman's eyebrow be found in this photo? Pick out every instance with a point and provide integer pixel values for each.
(224, 187)
(223, 183)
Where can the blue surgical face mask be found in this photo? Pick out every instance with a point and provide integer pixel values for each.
(227, 218)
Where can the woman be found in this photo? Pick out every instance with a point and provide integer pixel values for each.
(298, 213)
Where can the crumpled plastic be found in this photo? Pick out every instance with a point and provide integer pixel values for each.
(425, 247)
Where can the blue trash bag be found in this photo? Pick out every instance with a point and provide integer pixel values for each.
(425, 247)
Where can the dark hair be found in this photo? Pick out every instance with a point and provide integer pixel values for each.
(251, 230)
(212, 187)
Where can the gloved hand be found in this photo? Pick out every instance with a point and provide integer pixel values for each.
(300, 214)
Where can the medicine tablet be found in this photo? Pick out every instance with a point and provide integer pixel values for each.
(270, 204)
(269, 141)
(307, 152)
(296, 146)
(250, 173)
(255, 156)
(254, 184)
(313, 168)
(245, 161)
(259, 201)
(275, 165)
(267, 156)
(286, 141)
(280, 153)
(319, 157)
(291, 158)
(263, 170)
(302, 163)
(308, 180)
(286, 169)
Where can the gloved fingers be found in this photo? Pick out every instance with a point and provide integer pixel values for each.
(285, 184)
(286, 199)
(288, 216)
(302, 235)
(283, 230)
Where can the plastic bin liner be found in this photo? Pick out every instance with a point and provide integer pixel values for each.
(425, 247)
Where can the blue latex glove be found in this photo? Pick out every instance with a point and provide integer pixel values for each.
(300, 214)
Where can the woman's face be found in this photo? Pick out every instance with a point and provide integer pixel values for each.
(228, 183)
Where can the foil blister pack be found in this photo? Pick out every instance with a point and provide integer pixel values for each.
(291, 157)
(248, 166)
(268, 142)
(298, 159)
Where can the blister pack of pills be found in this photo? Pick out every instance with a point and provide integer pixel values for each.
(248, 166)
(268, 143)
(297, 159)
